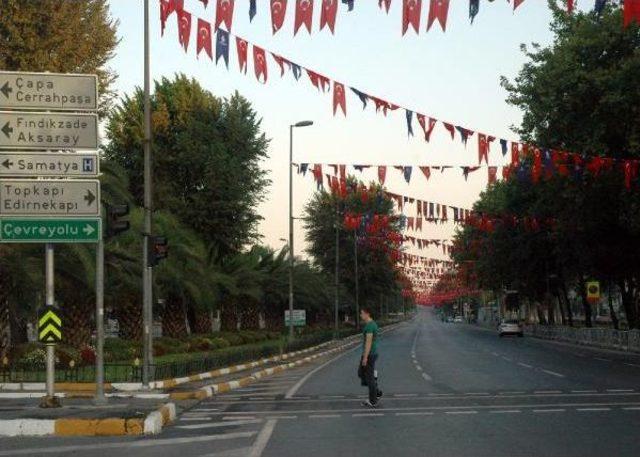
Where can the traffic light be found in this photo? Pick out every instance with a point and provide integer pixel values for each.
(158, 249)
(114, 223)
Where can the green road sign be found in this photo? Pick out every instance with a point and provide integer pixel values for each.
(50, 327)
(299, 318)
(57, 230)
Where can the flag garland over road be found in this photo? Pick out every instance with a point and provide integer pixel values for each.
(527, 161)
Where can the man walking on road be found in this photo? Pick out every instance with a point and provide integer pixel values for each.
(369, 357)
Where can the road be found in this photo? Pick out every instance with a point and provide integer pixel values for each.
(450, 390)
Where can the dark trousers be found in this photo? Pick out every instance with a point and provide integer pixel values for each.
(370, 379)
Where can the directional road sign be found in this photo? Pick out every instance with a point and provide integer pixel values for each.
(299, 318)
(29, 197)
(44, 230)
(49, 326)
(48, 91)
(17, 164)
(48, 130)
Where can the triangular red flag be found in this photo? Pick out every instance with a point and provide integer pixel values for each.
(259, 63)
(224, 13)
(483, 148)
(184, 28)
(165, 6)
(439, 10)
(339, 98)
(382, 174)
(450, 128)
(204, 38)
(427, 129)
(304, 15)
(281, 61)
(411, 10)
(426, 171)
(385, 3)
(515, 154)
(329, 13)
(242, 47)
(318, 81)
(278, 12)
(631, 12)
(570, 6)
(517, 3)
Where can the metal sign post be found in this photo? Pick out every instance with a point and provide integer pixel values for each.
(50, 400)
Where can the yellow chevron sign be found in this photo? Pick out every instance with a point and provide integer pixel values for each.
(50, 327)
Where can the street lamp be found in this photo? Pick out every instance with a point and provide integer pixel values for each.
(291, 127)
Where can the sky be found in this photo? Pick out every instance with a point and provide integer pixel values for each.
(453, 76)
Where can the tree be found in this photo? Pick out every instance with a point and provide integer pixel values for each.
(63, 37)
(207, 154)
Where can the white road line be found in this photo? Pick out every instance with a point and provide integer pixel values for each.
(477, 393)
(512, 393)
(234, 418)
(461, 412)
(584, 391)
(415, 414)
(438, 395)
(324, 416)
(291, 392)
(526, 365)
(547, 392)
(553, 373)
(620, 390)
(632, 408)
(508, 411)
(405, 395)
(331, 396)
(266, 398)
(549, 410)
(193, 419)
(203, 410)
(126, 443)
(426, 377)
(367, 415)
(302, 397)
(602, 360)
(593, 409)
(418, 367)
(507, 359)
(263, 438)
(281, 417)
(219, 424)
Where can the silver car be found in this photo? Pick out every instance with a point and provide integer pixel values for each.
(510, 327)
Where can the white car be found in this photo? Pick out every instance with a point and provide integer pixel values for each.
(457, 320)
(510, 327)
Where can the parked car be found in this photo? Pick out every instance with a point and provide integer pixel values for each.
(510, 327)
(457, 320)
(449, 319)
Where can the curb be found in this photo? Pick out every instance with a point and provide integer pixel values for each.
(151, 425)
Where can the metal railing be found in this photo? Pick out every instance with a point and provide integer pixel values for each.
(626, 340)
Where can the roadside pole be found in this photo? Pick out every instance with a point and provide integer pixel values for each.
(337, 278)
(50, 401)
(100, 398)
(355, 249)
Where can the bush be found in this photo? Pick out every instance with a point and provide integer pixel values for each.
(116, 349)
(87, 356)
(219, 343)
(65, 354)
(199, 344)
(234, 339)
(36, 356)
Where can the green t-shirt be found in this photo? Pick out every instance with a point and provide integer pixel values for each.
(370, 327)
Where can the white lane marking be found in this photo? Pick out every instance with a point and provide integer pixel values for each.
(461, 412)
(302, 397)
(477, 393)
(219, 424)
(507, 359)
(266, 398)
(418, 367)
(367, 415)
(547, 391)
(507, 411)
(553, 373)
(602, 360)
(518, 392)
(526, 365)
(415, 414)
(405, 395)
(331, 396)
(632, 408)
(584, 391)
(204, 410)
(549, 410)
(193, 419)
(324, 416)
(438, 395)
(281, 417)
(239, 418)
(593, 409)
(263, 438)
(127, 443)
(291, 392)
(426, 377)
(620, 390)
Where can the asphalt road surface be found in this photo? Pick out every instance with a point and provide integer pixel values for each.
(449, 390)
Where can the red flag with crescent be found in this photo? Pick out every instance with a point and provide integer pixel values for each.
(427, 127)
(411, 10)
(439, 9)
(204, 38)
(184, 28)
(260, 63)
(242, 47)
(304, 15)
(165, 11)
(329, 13)
(224, 13)
(339, 98)
(278, 12)
(318, 81)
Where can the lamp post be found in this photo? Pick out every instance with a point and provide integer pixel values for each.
(291, 127)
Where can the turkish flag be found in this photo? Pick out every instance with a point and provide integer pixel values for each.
(204, 38)
(439, 10)
(278, 12)
(329, 13)
(184, 28)
(427, 128)
(304, 15)
(515, 154)
(318, 80)
(382, 174)
(570, 6)
(339, 98)
(224, 13)
(426, 171)
(281, 61)
(260, 63)
(631, 11)
(242, 47)
(411, 10)
(517, 3)
(483, 148)
(451, 129)
(385, 3)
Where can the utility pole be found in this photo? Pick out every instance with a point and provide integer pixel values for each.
(100, 399)
(50, 400)
(147, 269)
(355, 249)
(337, 278)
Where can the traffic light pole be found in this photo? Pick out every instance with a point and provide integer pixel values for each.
(147, 275)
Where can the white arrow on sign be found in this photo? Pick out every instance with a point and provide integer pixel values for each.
(88, 230)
